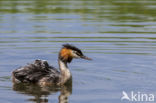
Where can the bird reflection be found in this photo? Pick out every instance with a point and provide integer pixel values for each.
(40, 94)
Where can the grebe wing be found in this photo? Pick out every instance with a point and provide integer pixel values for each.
(34, 72)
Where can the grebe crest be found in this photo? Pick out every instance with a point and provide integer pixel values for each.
(42, 73)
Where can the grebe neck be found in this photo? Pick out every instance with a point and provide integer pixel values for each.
(64, 71)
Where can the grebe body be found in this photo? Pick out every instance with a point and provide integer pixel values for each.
(40, 72)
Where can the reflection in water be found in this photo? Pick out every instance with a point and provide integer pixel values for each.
(41, 93)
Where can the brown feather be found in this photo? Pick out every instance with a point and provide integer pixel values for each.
(66, 54)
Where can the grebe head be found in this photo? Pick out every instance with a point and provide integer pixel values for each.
(68, 52)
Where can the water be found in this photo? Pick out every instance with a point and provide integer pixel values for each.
(119, 35)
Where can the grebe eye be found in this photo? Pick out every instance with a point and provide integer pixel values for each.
(75, 52)
(78, 53)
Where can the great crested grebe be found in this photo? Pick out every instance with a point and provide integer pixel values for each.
(41, 73)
